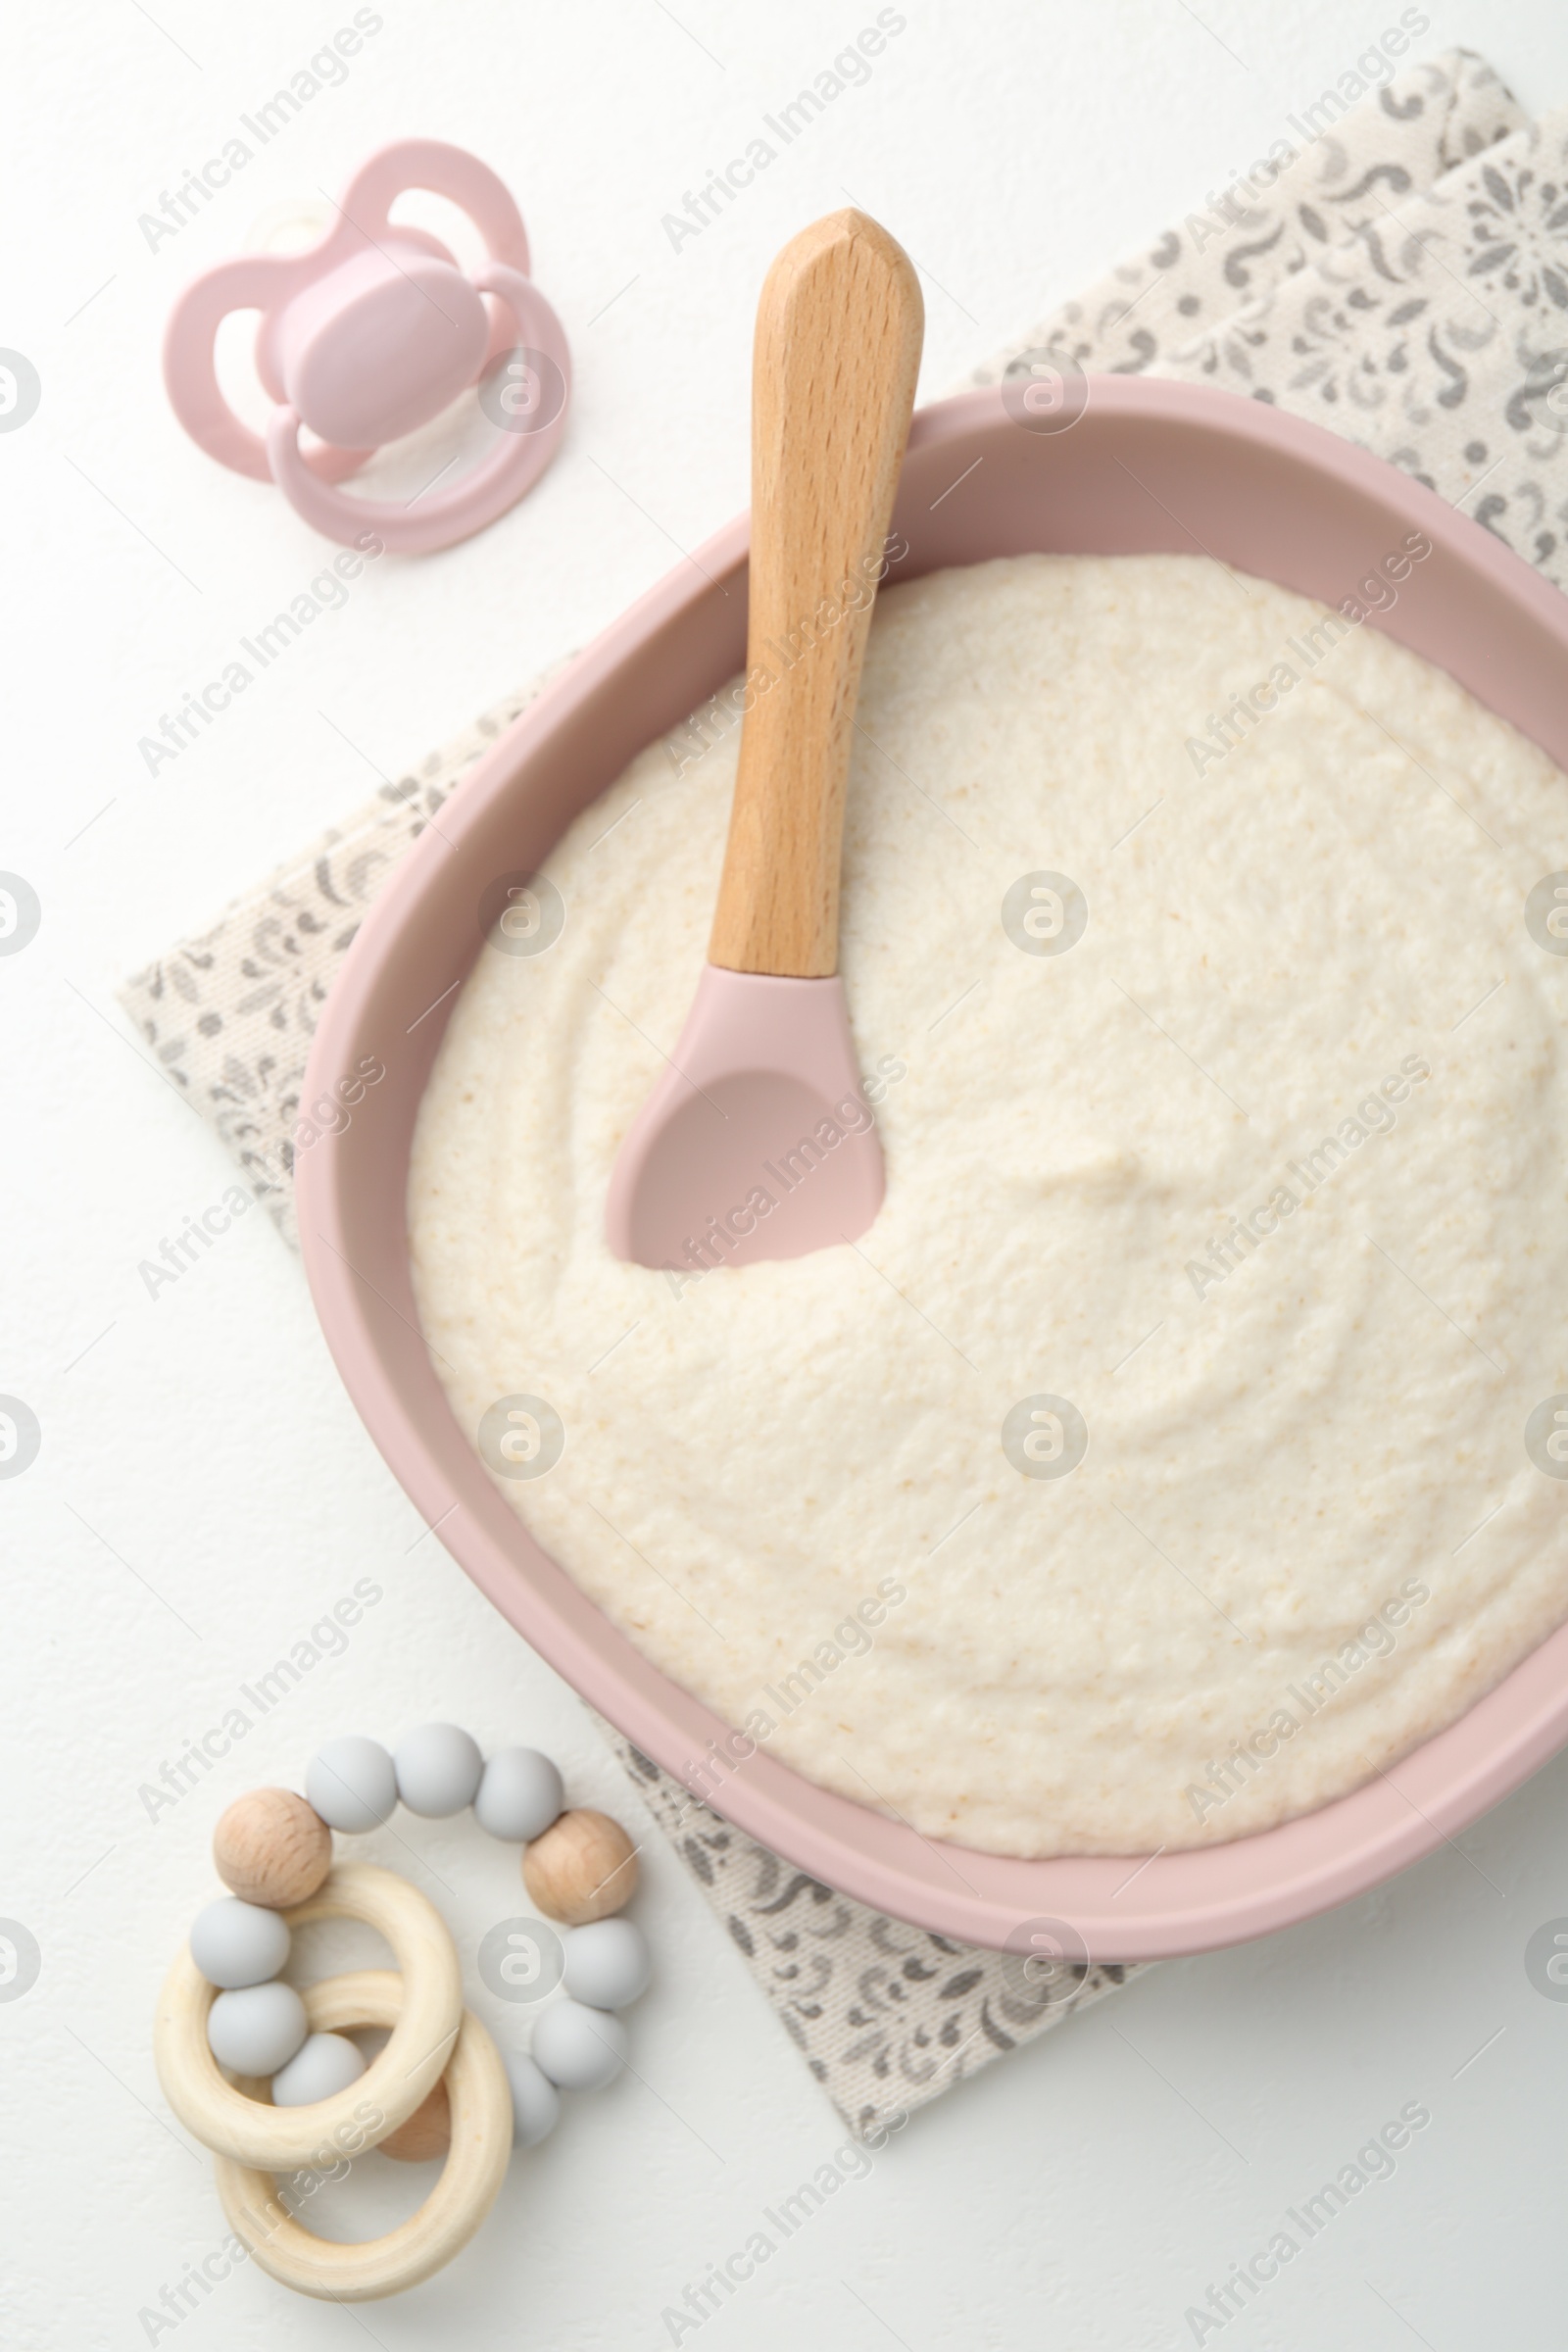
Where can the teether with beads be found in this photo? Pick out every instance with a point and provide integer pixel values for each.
(440, 2087)
(370, 334)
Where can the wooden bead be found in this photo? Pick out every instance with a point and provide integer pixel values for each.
(427, 2132)
(583, 1867)
(270, 1847)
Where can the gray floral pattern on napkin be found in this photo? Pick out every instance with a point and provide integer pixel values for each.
(229, 1013)
(887, 2016)
(1441, 340)
(1428, 324)
(1404, 279)
(1317, 191)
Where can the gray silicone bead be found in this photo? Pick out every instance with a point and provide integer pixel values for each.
(352, 1784)
(235, 1943)
(324, 2063)
(519, 1794)
(608, 1964)
(439, 1770)
(579, 2048)
(535, 2101)
(257, 2029)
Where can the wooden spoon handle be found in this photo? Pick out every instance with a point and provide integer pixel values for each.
(838, 347)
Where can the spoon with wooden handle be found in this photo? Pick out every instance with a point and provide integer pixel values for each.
(758, 1141)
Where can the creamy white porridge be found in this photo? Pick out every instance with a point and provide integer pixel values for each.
(1153, 1468)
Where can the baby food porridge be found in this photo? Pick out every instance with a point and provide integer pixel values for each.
(1152, 1469)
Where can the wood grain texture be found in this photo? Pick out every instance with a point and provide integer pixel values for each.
(427, 2134)
(470, 2178)
(396, 2082)
(583, 1867)
(272, 1847)
(837, 350)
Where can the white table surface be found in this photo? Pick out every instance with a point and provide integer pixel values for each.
(204, 1490)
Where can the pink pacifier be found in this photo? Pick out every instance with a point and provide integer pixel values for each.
(371, 334)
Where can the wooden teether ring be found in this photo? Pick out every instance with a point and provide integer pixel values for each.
(470, 2178)
(424, 2026)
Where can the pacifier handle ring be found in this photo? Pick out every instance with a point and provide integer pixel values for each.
(481, 494)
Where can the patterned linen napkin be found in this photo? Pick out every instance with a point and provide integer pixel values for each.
(1396, 269)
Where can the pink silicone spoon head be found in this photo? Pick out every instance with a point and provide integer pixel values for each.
(757, 1140)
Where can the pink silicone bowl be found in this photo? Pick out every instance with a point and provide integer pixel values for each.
(1149, 468)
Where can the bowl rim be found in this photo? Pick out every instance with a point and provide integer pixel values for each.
(1120, 1908)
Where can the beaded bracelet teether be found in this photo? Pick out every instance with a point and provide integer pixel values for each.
(440, 2086)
